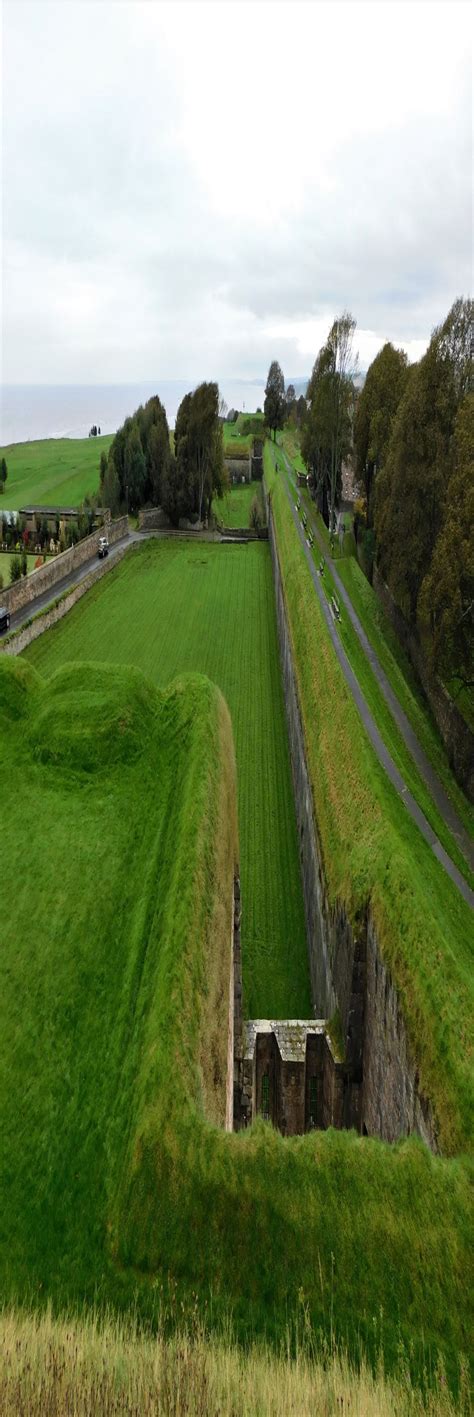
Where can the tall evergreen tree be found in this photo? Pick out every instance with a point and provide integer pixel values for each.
(411, 490)
(375, 412)
(274, 404)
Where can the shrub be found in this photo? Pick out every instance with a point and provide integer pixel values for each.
(15, 569)
(255, 514)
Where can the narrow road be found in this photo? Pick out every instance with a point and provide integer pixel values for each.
(42, 601)
(369, 722)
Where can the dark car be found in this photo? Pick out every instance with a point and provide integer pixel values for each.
(4, 619)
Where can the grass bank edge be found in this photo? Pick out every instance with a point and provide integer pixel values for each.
(375, 857)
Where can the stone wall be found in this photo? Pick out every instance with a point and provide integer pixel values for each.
(346, 967)
(152, 519)
(48, 618)
(455, 732)
(27, 590)
(239, 468)
(392, 1104)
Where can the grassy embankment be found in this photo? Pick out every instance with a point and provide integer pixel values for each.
(52, 471)
(171, 609)
(374, 855)
(382, 636)
(411, 700)
(117, 1187)
(76, 1369)
(233, 510)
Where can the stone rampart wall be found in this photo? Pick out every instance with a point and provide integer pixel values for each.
(26, 591)
(455, 732)
(346, 967)
(44, 621)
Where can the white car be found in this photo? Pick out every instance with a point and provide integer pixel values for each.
(103, 547)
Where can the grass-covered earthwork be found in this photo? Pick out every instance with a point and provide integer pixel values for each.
(376, 859)
(52, 471)
(234, 508)
(117, 1185)
(172, 608)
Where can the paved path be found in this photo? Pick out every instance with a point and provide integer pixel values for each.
(67, 583)
(369, 722)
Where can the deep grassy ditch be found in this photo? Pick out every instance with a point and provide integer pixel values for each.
(170, 609)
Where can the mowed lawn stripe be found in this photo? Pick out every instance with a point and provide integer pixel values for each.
(172, 608)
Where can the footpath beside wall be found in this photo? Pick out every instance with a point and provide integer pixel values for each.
(27, 590)
(47, 618)
(455, 732)
(347, 971)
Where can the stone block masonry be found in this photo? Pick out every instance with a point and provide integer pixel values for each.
(26, 591)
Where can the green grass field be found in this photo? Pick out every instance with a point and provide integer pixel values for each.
(172, 608)
(234, 509)
(52, 471)
(116, 1186)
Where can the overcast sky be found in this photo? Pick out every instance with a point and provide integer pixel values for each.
(191, 190)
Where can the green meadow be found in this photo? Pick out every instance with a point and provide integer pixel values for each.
(52, 471)
(233, 509)
(174, 608)
(117, 1187)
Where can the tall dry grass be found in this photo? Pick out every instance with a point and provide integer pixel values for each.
(89, 1368)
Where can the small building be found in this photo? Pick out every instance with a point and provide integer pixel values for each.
(53, 516)
(291, 1076)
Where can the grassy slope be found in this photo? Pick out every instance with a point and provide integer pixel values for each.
(115, 1186)
(392, 657)
(53, 471)
(103, 935)
(410, 699)
(169, 609)
(400, 674)
(374, 853)
(234, 509)
(115, 1369)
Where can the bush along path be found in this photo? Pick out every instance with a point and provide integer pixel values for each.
(368, 720)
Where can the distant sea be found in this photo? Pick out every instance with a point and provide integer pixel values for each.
(68, 410)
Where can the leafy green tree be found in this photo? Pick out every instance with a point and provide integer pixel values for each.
(110, 488)
(205, 446)
(411, 489)
(375, 412)
(24, 564)
(327, 432)
(3, 474)
(135, 471)
(301, 411)
(290, 403)
(103, 465)
(274, 403)
(447, 593)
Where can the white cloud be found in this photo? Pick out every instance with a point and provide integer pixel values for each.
(197, 188)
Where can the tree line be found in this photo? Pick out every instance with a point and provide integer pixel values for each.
(142, 469)
(410, 432)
